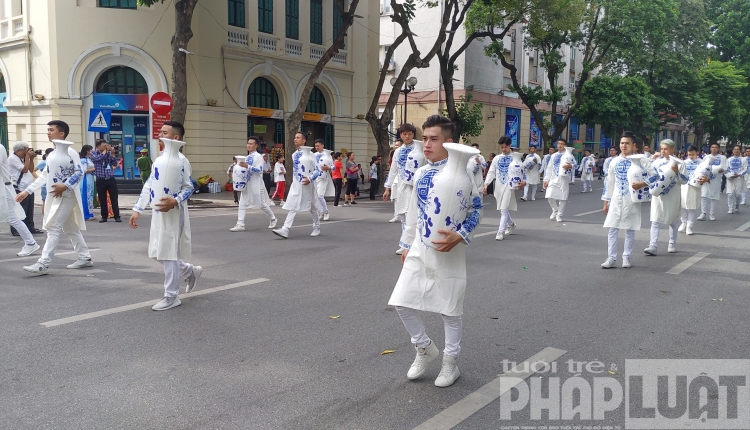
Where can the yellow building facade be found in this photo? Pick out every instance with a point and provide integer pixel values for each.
(247, 63)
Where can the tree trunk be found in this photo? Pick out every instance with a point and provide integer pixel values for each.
(183, 10)
(295, 119)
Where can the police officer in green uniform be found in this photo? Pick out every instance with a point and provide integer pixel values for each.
(144, 165)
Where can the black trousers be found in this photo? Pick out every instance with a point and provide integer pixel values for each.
(374, 185)
(28, 208)
(102, 186)
(267, 182)
(337, 187)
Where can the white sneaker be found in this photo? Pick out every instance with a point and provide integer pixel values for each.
(730, 211)
(272, 223)
(315, 232)
(682, 227)
(523, 198)
(320, 216)
(671, 248)
(701, 217)
(81, 263)
(326, 216)
(28, 250)
(281, 232)
(712, 217)
(283, 202)
(237, 227)
(448, 373)
(553, 216)
(37, 268)
(509, 229)
(626, 262)
(650, 250)
(167, 303)
(423, 358)
(559, 218)
(533, 199)
(399, 251)
(689, 230)
(395, 219)
(192, 280)
(499, 236)
(345, 204)
(610, 263)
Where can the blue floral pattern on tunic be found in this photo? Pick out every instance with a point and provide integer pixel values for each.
(621, 177)
(503, 164)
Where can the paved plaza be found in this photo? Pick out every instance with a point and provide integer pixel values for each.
(288, 334)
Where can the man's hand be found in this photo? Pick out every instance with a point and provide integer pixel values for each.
(521, 185)
(386, 194)
(450, 240)
(22, 195)
(605, 209)
(111, 149)
(305, 181)
(703, 180)
(166, 204)
(567, 166)
(639, 185)
(325, 168)
(545, 183)
(403, 256)
(484, 190)
(134, 220)
(675, 170)
(58, 189)
(243, 164)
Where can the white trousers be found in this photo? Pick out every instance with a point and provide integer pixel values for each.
(322, 205)
(557, 205)
(672, 232)
(17, 223)
(175, 272)
(732, 201)
(586, 186)
(612, 243)
(705, 203)
(533, 190)
(505, 220)
(743, 197)
(688, 216)
(64, 223)
(263, 206)
(453, 327)
(292, 214)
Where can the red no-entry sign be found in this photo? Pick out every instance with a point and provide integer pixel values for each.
(161, 103)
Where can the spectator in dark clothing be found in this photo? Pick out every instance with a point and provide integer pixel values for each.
(105, 164)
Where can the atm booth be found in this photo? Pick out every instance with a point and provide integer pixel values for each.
(129, 130)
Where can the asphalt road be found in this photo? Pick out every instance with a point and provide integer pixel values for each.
(268, 355)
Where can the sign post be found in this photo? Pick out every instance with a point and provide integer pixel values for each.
(161, 104)
(100, 120)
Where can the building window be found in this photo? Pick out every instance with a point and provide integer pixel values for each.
(316, 22)
(292, 19)
(236, 10)
(338, 21)
(121, 80)
(316, 103)
(118, 4)
(265, 16)
(262, 94)
(2, 85)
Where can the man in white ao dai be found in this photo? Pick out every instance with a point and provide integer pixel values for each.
(665, 207)
(711, 190)
(557, 185)
(531, 164)
(622, 212)
(509, 176)
(252, 196)
(433, 278)
(736, 171)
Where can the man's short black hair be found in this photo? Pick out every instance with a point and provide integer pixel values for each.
(505, 140)
(320, 141)
(561, 140)
(714, 143)
(301, 133)
(99, 142)
(692, 148)
(630, 135)
(445, 124)
(61, 126)
(407, 127)
(177, 127)
(475, 145)
(255, 138)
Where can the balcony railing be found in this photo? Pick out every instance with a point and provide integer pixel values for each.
(293, 48)
(316, 52)
(237, 37)
(266, 43)
(340, 58)
(12, 27)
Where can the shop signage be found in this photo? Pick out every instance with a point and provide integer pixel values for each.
(157, 120)
(266, 113)
(134, 102)
(316, 117)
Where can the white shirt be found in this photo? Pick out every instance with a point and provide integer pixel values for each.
(16, 166)
(278, 172)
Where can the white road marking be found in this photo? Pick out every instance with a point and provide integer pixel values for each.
(589, 213)
(38, 253)
(322, 223)
(743, 227)
(149, 303)
(466, 407)
(485, 234)
(676, 270)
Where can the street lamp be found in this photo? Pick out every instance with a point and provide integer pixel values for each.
(409, 85)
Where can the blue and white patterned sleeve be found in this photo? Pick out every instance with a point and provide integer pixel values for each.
(473, 217)
(256, 166)
(316, 172)
(75, 159)
(186, 190)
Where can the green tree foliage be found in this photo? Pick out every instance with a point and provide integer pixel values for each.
(618, 103)
(471, 117)
(721, 86)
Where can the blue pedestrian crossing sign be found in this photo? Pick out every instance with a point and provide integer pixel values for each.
(100, 120)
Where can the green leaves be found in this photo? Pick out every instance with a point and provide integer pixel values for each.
(471, 117)
(618, 102)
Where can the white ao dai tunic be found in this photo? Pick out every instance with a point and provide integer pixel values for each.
(508, 174)
(623, 213)
(665, 208)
